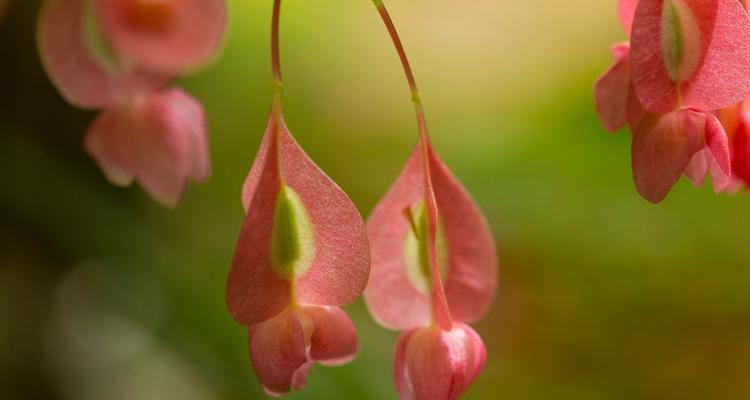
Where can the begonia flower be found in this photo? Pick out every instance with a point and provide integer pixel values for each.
(686, 58)
(434, 268)
(158, 140)
(302, 252)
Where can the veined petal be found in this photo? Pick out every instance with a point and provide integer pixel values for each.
(315, 252)
(82, 79)
(278, 351)
(334, 338)
(690, 53)
(663, 146)
(466, 254)
(626, 11)
(165, 35)
(152, 139)
(442, 364)
(612, 89)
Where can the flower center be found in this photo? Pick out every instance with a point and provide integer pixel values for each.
(151, 14)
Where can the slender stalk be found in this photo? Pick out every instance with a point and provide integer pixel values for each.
(275, 58)
(440, 308)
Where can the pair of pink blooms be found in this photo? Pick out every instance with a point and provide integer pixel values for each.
(429, 267)
(303, 252)
(120, 56)
(685, 60)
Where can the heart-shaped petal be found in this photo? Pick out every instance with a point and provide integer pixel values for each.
(334, 338)
(399, 295)
(74, 55)
(315, 252)
(164, 35)
(690, 54)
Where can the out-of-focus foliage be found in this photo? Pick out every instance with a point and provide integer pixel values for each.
(103, 294)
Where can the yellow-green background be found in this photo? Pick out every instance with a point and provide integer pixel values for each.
(105, 295)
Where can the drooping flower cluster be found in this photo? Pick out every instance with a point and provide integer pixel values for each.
(685, 60)
(119, 56)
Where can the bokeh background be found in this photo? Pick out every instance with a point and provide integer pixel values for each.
(105, 295)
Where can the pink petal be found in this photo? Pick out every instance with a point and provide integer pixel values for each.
(442, 364)
(626, 11)
(472, 267)
(612, 88)
(718, 143)
(741, 153)
(470, 281)
(278, 352)
(663, 146)
(400, 371)
(334, 338)
(152, 139)
(165, 35)
(255, 292)
(635, 111)
(340, 267)
(81, 79)
(698, 167)
(714, 69)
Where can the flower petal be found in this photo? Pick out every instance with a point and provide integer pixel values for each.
(696, 52)
(718, 143)
(442, 364)
(165, 35)
(400, 371)
(336, 254)
(255, 292)
(334, 338)
(698, 167)
(626, 11)
(278, 352)
(612, 89)
(741, 153)
(82, 79)
(663, 146)
(393, 297)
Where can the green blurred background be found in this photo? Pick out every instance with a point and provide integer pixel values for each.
(105, 295)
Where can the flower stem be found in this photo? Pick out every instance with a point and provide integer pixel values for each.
(275, 58)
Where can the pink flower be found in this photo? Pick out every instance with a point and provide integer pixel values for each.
(686, 58)
(302, 252)
(431, 363)
(434, 268)
(159, 140)
(119, 56)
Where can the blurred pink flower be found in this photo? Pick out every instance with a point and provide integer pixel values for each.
(158, 139)
(119, 56)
